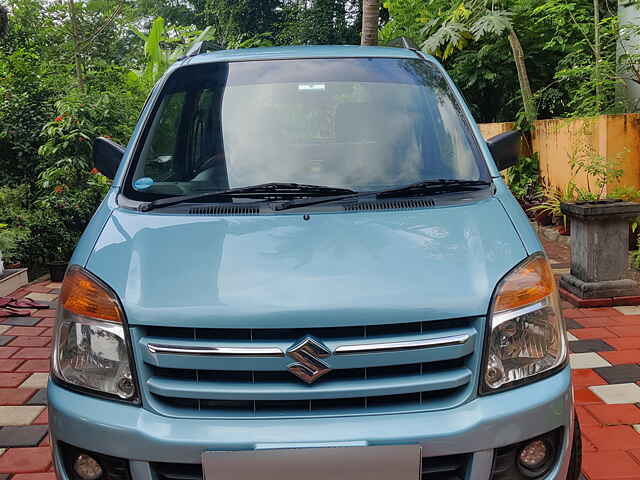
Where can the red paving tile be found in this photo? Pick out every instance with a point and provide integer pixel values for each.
(33, 353)
(43, 418)
(584, 396)
(628, 343)
(34, 366)
(7, 365)
(586, 377)
(619, 437)
(621, 357)
(26, 331)
(46, 322)
(12, 379)
(585, 417)
(615, 414)
(632, 331)
(588, 333)
(48, 313)
(610, 466)
(29, 342)
(15, 396)
(35, 476)
(25, 460)
(6, 352)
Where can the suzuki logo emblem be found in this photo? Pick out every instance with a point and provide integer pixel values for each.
(307, 354)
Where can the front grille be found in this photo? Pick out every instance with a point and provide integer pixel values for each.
(449, 467)
(405, 379)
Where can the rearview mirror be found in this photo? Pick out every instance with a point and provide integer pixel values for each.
(107, 156)
(505, 149)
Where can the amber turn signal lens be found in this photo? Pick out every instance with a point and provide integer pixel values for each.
(527, 284)
(84, 296)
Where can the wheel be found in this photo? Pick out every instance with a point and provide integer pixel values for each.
(575, 464)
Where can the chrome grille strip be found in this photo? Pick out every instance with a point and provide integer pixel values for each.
(222, 351)
(396, 346)
(363, 348)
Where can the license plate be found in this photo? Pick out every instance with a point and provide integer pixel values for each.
(395, 462)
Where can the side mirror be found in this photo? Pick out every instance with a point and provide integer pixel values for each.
(107, 156)
(505, 149)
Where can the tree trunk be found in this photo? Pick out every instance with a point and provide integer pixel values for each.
(523, 77)
(76, 44)
(4, 21)
(370, 13)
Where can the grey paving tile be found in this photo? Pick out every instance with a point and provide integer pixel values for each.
(27, 436)
(587, 360)
(4, 339)
(617, 394)
(20, 321)
(40, 398)
(572, 324)
(595, 345)
(13, 416)
(620, 373)
(4, 476)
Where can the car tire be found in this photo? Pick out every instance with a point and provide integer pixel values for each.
(575, 463)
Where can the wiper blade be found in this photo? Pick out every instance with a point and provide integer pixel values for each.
(265, 189)
(434, 186)
(315, 201)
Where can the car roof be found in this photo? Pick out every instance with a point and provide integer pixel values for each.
(315, 51)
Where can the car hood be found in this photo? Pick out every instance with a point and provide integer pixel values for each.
(285, 271)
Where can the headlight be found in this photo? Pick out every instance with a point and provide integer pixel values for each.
(527, 334)
(90, 346)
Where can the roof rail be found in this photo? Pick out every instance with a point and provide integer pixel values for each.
(403, 42)
(202, 47)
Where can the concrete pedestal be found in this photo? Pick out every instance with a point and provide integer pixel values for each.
(599, 249)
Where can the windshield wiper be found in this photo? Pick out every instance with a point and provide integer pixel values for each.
(431, 187)
(315, 201)
(279, 189)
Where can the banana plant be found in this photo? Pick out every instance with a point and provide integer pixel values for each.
(162, 50)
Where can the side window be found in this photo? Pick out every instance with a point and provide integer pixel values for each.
(158, 158)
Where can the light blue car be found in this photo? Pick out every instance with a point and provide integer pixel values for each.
(309, 267)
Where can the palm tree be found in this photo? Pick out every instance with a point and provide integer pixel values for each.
(370, 16)
(472, 21)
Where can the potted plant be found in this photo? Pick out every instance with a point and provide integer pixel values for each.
(548, 209)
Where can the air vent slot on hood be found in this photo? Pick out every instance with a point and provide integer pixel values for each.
(224, 210)
(390, 205)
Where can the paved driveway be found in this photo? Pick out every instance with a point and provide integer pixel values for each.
(605, 345)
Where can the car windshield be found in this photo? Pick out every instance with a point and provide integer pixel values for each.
(364, 124)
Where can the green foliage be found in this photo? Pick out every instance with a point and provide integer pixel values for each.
(25, 105)
(406, 18)
(524, 178)
(571, 31)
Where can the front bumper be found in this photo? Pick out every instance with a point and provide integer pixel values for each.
(477, 427)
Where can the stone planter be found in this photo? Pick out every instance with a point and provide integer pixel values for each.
(12, 279)
(599, 249)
